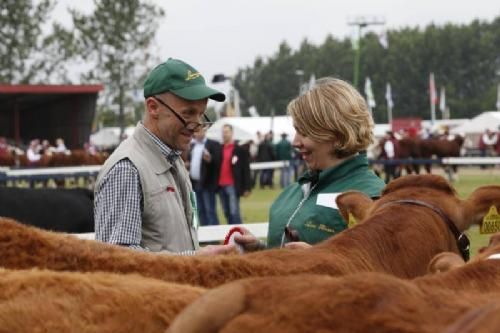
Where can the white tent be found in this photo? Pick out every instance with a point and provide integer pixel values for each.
(246, 128)
(108, 137)
(477, 125)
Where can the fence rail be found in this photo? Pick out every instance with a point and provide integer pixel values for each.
(212, 233)
(58, 173)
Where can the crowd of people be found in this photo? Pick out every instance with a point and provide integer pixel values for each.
(489, 143)
(40, 153)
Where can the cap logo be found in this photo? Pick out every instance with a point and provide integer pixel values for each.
(192, 76)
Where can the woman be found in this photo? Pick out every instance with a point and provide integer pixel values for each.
(333, 129)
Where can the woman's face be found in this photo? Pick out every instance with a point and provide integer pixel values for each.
(317, 155)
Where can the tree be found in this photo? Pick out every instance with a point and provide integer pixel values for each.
(117, 38)
(26, 54)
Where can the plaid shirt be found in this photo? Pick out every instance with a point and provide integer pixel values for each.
(119, 202)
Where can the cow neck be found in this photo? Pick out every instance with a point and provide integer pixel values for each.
(463, 243)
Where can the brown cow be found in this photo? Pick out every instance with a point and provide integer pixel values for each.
(395, 238)
(364, 302)
(446, 261)
(485, 319)
(47, 301)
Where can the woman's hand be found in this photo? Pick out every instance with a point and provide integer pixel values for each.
(297, 245)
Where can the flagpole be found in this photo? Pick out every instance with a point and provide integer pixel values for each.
(432, 93)
(388, 97)
(498, 97)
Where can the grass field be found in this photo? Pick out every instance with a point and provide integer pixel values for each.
(255, 208)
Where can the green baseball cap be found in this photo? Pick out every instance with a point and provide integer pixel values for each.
(180, 79)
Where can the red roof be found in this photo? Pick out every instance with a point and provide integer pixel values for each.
(49, 89)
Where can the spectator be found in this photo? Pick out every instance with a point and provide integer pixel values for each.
(61, 147)
(266, 154)
(284, 152)
(204, 172)
(33, 153)
(234, 177)
(389, 149)
(498, 142)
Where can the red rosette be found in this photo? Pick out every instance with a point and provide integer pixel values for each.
(229, 239)
(231, 233)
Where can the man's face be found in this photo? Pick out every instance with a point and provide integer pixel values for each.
(166, 126)
(227, 134)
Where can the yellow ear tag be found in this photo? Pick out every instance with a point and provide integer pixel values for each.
(352, 221)
(491, 222)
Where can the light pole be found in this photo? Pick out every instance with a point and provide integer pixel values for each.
(300, 74)
(234, 94)
(361, 22)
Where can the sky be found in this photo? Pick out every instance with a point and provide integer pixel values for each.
(222, 36)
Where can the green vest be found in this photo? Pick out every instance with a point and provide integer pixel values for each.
(315, 216)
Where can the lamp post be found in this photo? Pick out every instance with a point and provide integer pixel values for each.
(234, 93)
(361, 22)
(300, 74)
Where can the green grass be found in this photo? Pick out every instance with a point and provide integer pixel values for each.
(255, 208)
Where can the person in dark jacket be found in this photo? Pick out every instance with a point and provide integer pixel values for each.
(204, 168)
(234, 176)
(266, 154)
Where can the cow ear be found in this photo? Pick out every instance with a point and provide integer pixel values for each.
(354, 202)
(479, 204)
(444, 262)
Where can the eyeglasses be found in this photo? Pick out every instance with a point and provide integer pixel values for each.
(189, 125)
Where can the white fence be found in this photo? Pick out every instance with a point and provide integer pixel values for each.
(213, 233)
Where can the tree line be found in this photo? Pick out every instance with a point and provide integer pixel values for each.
(465, 59)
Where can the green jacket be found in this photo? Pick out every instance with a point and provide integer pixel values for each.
(317, 218)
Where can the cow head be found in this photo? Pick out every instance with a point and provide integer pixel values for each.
(432, 189)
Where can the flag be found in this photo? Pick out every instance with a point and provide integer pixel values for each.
(442, 100)
(312, 81)
(369, 93)
(498, 97)
(383, 39)
(432, 89)
(388, 96)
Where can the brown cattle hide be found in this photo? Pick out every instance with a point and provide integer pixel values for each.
(46, 301)
(393, 239)
(364, 302)
(485, 319)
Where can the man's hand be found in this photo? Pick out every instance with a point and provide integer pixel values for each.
(206, 156)
(211, 250)
(246, 193)
(297, 245)
(247, 240)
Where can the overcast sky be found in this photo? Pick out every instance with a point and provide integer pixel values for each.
(220, 36)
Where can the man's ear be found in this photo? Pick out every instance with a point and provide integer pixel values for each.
(354, 202)
(152, 107)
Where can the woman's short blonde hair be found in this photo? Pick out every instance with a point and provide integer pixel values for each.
(333, 111)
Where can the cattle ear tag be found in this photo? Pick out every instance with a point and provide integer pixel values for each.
(352, 221)
(491, 222)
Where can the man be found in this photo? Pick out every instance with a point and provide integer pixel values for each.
(234, 178)
(389, 149)
(204, 170)
(143, 196)
(266, 154)
(284, 152)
